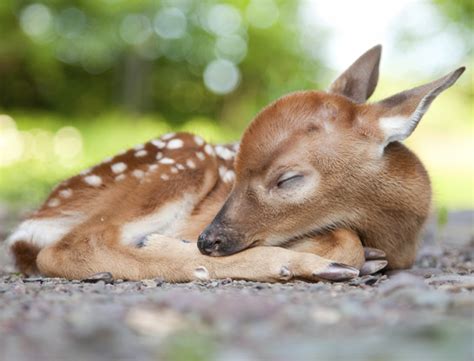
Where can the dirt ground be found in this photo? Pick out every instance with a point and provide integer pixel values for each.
(426, 313)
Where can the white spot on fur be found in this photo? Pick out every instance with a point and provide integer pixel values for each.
(229, 176)
(120, 177)
(158, 143)
(107, 160)
(198, 140)
(165, 177)
(45, 231)
(236, 147)
(166, 161)
(180, 166)
(222, 171)
(201, 155)
(141, 153)
(175, 144)
(159, 155)
(93, 180)
(224, 153)
(168, 136)
(190, 164)
(137, 173)
(152, 167)
(86, 171)
(174, 170)
(65, 193)
(209, 150)
(118, 167)
(54, 202)
(139, 147)
(201, 273)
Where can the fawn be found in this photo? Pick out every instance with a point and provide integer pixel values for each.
(317, 177)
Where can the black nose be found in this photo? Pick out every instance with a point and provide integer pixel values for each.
(208, 242)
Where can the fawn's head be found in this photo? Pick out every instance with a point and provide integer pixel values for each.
(304, 160)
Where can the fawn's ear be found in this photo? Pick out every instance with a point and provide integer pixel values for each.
(358, 82)
(396, 117)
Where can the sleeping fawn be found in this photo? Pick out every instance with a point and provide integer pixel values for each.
(317, 188)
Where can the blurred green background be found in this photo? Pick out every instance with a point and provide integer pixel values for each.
(83, 79)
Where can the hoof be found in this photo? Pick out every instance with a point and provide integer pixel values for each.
(371, 267)
(337, 272)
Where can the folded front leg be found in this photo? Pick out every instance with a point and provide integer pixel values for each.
(80, 255)
(266, 264)
(345, 246)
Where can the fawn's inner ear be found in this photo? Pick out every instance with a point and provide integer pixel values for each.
(395, 118)
(358, 82)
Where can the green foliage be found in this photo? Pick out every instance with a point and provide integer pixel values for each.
(460, 11)
(85, 56)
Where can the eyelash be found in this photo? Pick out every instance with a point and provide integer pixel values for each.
(280, 183)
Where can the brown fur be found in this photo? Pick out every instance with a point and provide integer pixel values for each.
(25, 257)
(356, 186)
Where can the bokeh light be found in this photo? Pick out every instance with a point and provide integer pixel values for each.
(231, 47)
(11, 143)
(221, 76)
(70, 23)
(135, 29)
(170, 23)
(67, 144)
(223, 19)
(36, 20)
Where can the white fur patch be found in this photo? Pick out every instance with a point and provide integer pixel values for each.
(201, 155)
(198, 140)
(159, 155)
(175, 144)
(222, 171)
(152, 167)
(137, 173)
(201, 273)
(229, 176)
(167, 220)
(141, 153)
(395, 128)
(209, 150)
(45, 231)
(54, 202)
(86, 171)
(168, 136)
(174, 170)
(93, 180)
(118, 167)
(165, 177)
(180, 166)
(166, 161)
(120, 177)
(158, 143)
(190, 164)
(65, 193)
(224, 153)
(139, 147)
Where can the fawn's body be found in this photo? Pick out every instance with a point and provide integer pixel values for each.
(318, 177)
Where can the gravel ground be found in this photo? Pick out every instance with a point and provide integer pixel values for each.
(425, 313)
